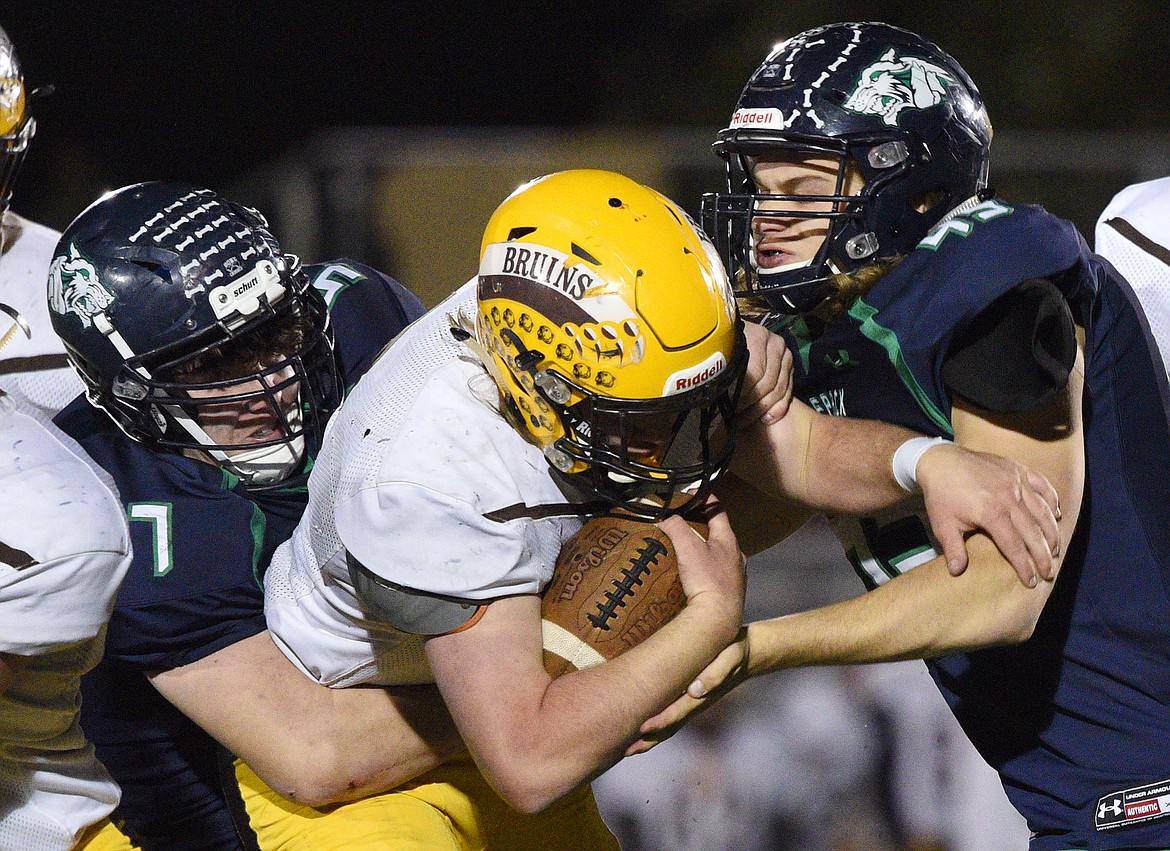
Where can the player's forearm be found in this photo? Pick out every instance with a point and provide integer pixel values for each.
(848, 465)
(308, 742)
(923, 614)
(373, 740)
(836, 464)
(760, 519)
(348, 743)
(547, 742)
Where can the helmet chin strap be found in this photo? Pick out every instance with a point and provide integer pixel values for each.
(775, 270)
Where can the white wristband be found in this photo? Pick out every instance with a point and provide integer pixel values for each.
(906, 458)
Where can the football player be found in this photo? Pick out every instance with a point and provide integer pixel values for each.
(33, 367)
(1133, 233)
(595, 363)
(64, 545)
(210, 364)
(64, 548)
(859, 225)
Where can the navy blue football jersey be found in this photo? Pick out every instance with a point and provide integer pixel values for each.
(1077, 719)
(201, 542)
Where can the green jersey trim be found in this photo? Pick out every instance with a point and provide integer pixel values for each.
(888, 340)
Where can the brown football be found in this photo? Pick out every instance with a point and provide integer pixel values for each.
(616, 582)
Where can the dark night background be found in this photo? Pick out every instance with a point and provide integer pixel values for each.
(209, 91)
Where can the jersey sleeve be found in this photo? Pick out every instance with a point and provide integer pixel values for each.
(368, 310)
(48, 605)
(196, 582)
(63, 541)
(976, 281)
(418, 538)
(454, 501)
(178, 631)
(1017, 354)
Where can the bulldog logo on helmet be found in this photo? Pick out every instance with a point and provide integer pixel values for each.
(892, 84)
(74, 287)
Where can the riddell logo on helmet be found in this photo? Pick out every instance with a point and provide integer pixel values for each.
(686, 379)
(770, 117)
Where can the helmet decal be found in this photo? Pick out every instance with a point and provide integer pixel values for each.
(75, 287)
(687, 378)
(575, 293)
(892, 84)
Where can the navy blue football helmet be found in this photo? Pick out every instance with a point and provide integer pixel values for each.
(174, 302)
(886, 101)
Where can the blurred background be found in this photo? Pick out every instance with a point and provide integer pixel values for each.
(388, 132)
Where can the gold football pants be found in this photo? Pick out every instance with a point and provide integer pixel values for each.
(451, 807)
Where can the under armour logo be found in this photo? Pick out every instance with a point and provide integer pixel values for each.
(1112, 807)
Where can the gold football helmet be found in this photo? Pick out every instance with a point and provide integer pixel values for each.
(613, 334)
(16, 124)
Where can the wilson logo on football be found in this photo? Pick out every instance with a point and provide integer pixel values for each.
(592, 557)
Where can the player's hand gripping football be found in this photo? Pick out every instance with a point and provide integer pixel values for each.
(729, 669)
(712, 571)
(767, 387)
(1017, 507)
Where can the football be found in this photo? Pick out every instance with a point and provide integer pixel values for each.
(615, 583)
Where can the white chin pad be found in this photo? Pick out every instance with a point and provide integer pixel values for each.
(787, 267)
(267, 464)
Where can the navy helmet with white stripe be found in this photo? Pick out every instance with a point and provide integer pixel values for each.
(880, 100)
(175, 304)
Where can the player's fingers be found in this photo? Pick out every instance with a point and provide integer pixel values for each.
(1035, 537)
(767, 409)
(639, 746)
(1041, 486)
(687, 542)
(718, 524)
(1006, 536)
(669, 717)
(1040, 511)
(716, 673)
(954, 549)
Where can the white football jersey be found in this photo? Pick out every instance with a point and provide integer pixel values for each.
(64, 548)
(33, 370)
(423, 482)
(1133, 234)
